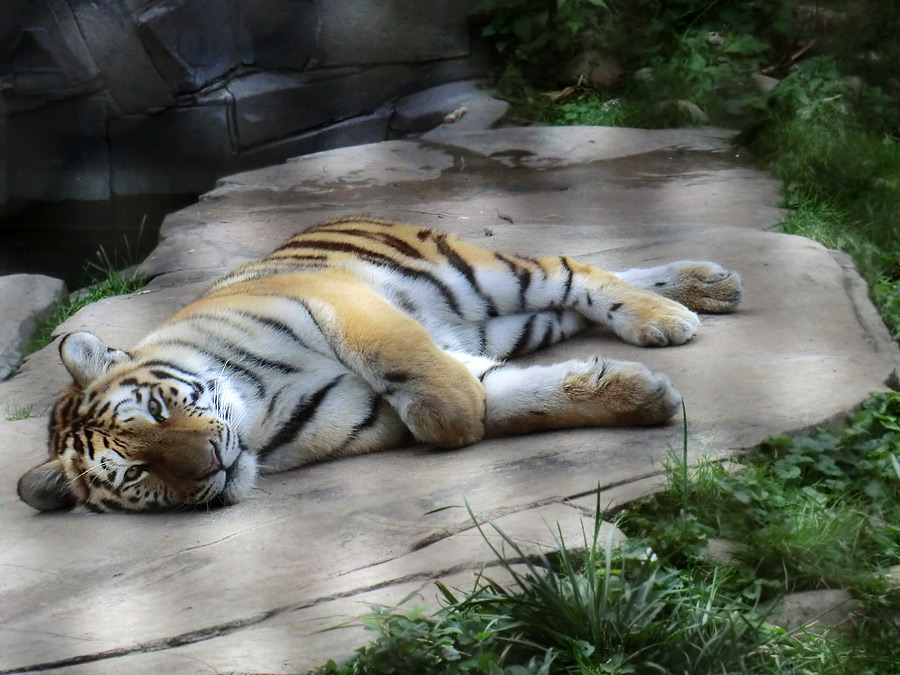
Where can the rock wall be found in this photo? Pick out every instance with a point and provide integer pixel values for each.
(117, 98)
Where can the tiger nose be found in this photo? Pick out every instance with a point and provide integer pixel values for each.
(215, 462)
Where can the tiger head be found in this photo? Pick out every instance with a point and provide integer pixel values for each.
(137, 434)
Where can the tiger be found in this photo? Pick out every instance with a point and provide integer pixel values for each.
(354, 336)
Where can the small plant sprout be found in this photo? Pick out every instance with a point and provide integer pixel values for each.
(17, 411)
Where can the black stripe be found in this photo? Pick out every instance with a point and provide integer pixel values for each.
(88, 436)
(548, 337)
(339, 247)
(375, 405)
(110, 505)
(315, 257)
(244, 354)
(77, 443)
(273, 400)
(278, 326)
(382, 260)
(390, 240)
(196, 386)
(569, 276)
(223, 363)
(159, 363)
(522, 274)
(312, 318)
(496, 366)
(524, 337)
(93, 413)
(300, 415)
(464, 268)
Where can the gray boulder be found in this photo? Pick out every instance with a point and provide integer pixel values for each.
(817, 610)
(189, 58)
(427, 109)
(25, 300)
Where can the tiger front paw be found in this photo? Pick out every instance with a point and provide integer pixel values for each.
(649, 320)
(702, 286)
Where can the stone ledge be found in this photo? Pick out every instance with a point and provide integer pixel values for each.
(796, 353)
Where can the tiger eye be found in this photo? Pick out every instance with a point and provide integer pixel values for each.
(154, 407)
(134, 472)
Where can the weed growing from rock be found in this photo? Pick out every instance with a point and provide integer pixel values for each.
(594, 608)
(108, 281)
(17, 411)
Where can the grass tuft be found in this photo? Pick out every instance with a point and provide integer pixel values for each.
(17, 411)
(107, 281)
(599, 608)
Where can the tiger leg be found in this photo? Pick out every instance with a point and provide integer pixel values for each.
(513, 335)
(435, 394)
(511, 284)
(593, 392)
(700, 286)
(636, 315)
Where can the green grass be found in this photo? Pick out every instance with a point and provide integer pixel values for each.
(107, 281)
(604, 609)
(812, 511)
(17, 411)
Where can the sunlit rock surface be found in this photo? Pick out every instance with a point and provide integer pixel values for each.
(248, 588)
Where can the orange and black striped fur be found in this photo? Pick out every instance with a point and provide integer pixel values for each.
(352, 337)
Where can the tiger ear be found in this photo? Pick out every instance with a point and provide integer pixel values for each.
(45, 487)
(86, 357)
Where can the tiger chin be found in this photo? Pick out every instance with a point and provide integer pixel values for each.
(355, 336)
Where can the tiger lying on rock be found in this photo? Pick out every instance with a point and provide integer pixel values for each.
(355, 336)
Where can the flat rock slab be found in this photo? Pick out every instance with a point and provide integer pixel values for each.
(248, 588)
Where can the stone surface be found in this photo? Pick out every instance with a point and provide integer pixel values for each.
(12, 13)
(397, 31)
(50, 60)
(723, 551)
(42, 172)
(296, 67)
(283, 31)
(177, 150)
(314, 99)
(763, 82)
(112, 39)
(25, 301)
(359, 130)
(245, 589)
(189, 58)
(817, 610)
(427, 109)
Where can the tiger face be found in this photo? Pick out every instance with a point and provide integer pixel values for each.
(137, 436)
